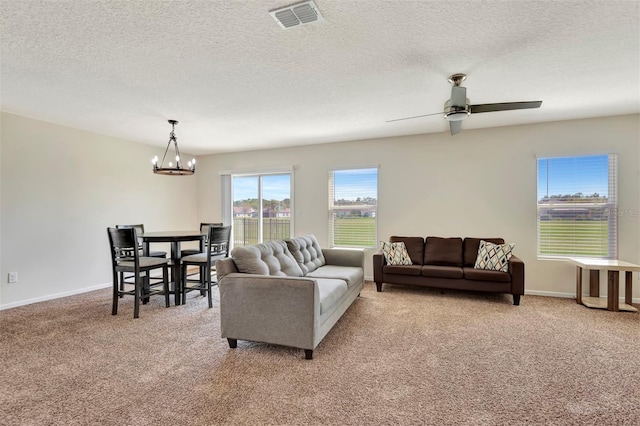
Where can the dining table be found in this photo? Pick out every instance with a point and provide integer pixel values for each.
(174, 238)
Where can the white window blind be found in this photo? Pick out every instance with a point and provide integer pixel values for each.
(577, 206)
(353, 207)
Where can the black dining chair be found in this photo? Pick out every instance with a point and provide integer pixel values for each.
(139, 231)
(125, 257)
(204, 228)
(216, 247)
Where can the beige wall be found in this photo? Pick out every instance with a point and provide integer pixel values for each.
(60, 189)
(479, 183)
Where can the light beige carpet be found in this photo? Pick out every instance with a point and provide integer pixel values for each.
(404, 356)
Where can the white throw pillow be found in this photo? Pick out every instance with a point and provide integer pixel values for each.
(494, 257)
(396, 253)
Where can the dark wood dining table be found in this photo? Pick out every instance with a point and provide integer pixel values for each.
(175, 238)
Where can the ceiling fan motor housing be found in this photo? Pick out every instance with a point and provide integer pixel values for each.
(456, 113)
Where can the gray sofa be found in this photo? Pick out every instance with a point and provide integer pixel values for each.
(288, 293)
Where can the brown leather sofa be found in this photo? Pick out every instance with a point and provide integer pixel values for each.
(448, 263)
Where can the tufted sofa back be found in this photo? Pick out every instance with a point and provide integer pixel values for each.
(272, 258)
(307, 252)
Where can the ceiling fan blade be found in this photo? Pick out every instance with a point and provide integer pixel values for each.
(459, 96)
(455, 127)
(505, 106)
(417, 116)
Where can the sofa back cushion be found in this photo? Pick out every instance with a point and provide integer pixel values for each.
(415, 247)
(307, 253)
(443, 251)
(471, 246)
(272, 258)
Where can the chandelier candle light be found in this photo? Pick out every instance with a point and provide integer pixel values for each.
(178, 169)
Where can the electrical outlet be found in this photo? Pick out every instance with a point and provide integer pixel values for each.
(13, 277)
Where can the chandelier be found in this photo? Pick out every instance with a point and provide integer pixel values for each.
(178, 169)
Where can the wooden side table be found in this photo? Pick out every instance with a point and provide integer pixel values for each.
(613, 268)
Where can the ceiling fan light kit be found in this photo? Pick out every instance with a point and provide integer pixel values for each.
(459, 108)
(456, 113)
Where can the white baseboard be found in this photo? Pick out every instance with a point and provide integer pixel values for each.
(550, 294)
(54, 296)
(554, 294)
(568, 295)
(101, 286)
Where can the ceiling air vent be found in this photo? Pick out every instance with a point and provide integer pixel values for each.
(296, 14)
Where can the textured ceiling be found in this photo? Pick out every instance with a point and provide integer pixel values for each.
(236, 81)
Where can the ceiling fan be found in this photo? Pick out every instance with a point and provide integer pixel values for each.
(458, 108)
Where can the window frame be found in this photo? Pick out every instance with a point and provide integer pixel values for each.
(610, 209)
(228, 202)
(332, 206)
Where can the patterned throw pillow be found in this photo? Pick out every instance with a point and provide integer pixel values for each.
(396, 253)
(494, 257)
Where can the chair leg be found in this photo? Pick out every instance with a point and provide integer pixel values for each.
(165, 284)
(203, 280)
(183, 284)
(116, 295)
(208, 280)
(121, 274)
(138, 290)
(145, 288)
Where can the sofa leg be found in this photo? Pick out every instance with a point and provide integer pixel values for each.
(378, 286)
(308, 353)
(233, 343)
(516, 299)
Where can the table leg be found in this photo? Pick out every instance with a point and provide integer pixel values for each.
(613, 291)
(594, 283)
(578, 285)
(628, 280)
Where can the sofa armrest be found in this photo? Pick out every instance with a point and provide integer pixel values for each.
(378, 263)
(271, 309)
(516, 269)
(344, 257)
(224, 267)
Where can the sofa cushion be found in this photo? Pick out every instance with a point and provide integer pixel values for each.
(442, 271)
(307, 252)
(402, 270)
(414, 245)
(352, 275)
(494, 257)
(443, 251)
(395, 253)
(272, 258)
(330, 292)
(471, 248)
(486, 275)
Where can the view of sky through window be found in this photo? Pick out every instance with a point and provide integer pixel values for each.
(278, 187)
(571, 175)
(354, 183)
(350, 184)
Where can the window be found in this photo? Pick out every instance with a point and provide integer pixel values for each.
(577, 206)
(262, 208)
(353, 207)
